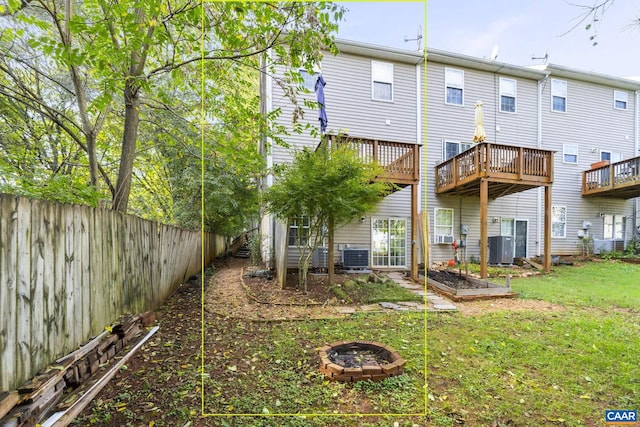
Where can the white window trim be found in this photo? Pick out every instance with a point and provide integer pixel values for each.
(298, 227)
(381, 80)
(615, 220)
(446, 238)
(564, 152)
(619, 95)
(312, 87)
(564, 230)
(452, 141)
(514, 95)
(448, 84)
(566, 100)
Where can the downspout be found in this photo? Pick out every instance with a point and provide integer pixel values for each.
(419, 93)
(540, 189)
(266, 91)
(636, 128)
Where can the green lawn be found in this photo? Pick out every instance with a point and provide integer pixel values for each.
(278, 373)
(542, 368)
(500, 368)
(604, 284)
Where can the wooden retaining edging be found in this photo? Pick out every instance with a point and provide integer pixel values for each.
(487, 291)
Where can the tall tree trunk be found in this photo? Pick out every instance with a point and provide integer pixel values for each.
(88, 129)
(131, 121)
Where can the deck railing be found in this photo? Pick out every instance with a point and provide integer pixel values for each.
(488, 160)
(400, 160)
(623, 174)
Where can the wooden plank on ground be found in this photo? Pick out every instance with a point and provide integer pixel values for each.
(8, 399)
(533, 264)
(65, 418)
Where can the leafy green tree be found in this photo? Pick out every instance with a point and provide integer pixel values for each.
(83, 66)
(330, 187)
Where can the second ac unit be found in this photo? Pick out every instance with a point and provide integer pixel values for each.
(320, 258)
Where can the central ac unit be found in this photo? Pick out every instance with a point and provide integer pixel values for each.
(440, 239)
(355, 258)
(601, 246)
(320, 258)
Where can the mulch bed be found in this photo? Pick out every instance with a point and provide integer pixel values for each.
(266, 290)
(453, 280)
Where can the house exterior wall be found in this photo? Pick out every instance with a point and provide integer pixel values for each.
(592, 124)
(351, 109)
(457, 123)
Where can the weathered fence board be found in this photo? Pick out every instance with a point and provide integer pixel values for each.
(8, 291)
(67, 271)
(23, 273)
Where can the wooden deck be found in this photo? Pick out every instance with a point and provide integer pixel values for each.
(400, 160)
(401, 163)
(489, 171)
(508, 169)
(619, 180)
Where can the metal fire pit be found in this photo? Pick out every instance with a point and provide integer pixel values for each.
(351, 361)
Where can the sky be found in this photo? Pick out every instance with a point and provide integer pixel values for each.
(521, 29)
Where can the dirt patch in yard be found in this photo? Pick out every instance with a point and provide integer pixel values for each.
(232, 293)
(474, 308)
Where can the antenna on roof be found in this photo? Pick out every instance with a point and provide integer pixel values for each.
(544, 58)
(494, 53)
(417, 38)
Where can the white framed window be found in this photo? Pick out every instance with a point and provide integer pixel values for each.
(620, 99)
(381, 81)
(507, 227)
(308, 79)
(570, 153)
(613, 226)
(559, 221)
(453, 148)
(454, 86)
(298, 231)
(613, 157)
(508, 91)
(443, 226)
(559, 95)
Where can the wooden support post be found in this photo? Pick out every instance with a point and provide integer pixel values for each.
(547, 228)
(414, 231)
(484, 238)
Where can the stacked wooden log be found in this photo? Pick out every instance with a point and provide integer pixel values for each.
(32, 402)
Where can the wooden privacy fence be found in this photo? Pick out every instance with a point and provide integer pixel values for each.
(67, 271)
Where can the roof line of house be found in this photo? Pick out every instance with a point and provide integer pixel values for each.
(534, 72)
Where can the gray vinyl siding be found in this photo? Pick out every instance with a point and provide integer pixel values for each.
(349, 106)
(457, 123)
(592, 124)
(351, 109)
